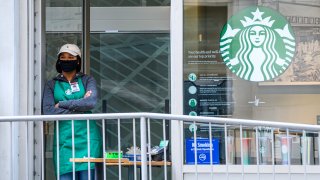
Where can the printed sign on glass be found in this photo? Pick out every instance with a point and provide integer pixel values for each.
(257, 44)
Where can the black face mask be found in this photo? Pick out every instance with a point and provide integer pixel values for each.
(68, 65)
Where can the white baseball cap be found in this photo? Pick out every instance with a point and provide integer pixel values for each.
(70, 48)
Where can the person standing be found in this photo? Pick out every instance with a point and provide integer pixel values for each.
(72, 92)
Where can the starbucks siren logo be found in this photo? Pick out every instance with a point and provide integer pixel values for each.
(257, 44)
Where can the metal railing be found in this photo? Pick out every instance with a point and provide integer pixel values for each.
(228, 142)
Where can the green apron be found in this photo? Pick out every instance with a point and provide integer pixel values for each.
(62, 93)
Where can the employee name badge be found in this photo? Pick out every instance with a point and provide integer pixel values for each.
(75, 87)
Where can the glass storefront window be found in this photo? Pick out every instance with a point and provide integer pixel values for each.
(211, 88)
(205, 74)
(130, 64)
(132, 73)
(253, 60)
(131, 70)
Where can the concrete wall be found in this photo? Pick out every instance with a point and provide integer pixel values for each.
(9, 84)
(14, 82)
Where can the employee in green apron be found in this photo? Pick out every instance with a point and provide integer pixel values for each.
(72, 92)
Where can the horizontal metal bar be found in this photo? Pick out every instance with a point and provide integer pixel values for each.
(158, 116)
(113, 32)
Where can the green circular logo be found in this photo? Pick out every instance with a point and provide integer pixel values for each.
(68, 92)
(193, 113)
(192, 102)
(257, 44)
(192, 77)
(193, 127)
(192, 90)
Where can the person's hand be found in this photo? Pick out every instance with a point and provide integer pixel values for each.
(57, 105)
(88, 94)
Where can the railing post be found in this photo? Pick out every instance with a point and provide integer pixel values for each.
(119, 149)
(272, 154)
(304, 153)
(104, 148)
(149, 150)
(289, 152)
(258, 151)
(73, 152)
(319, 148)
(143, 139)
(226, 150)
(58, 150)
(241, 152)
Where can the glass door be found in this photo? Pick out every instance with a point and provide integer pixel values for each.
(129, 58)
(132, 74)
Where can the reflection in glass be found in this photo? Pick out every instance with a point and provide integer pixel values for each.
(248, 146)
(131, 71)
(288, 147)
(231, 151)
(265, 145)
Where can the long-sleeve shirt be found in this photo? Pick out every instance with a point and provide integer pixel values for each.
(70, 106)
